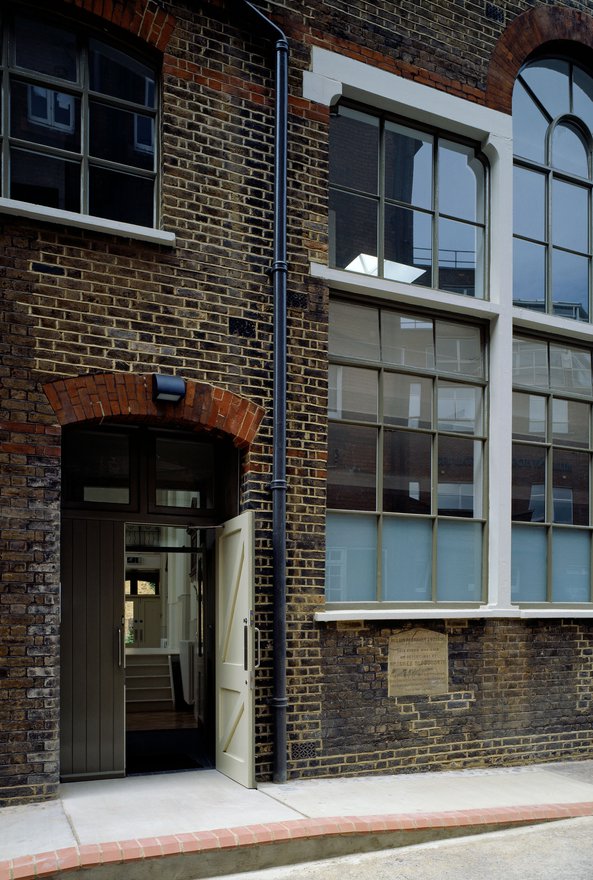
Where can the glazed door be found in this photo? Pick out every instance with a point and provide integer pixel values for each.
(235, 730)
(92, 650)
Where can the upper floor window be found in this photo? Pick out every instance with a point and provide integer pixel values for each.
(552, 458)
(406, 204)
(80, 131)
(406, 450)
(552, 124)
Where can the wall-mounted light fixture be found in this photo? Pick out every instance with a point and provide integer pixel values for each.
(167, 389)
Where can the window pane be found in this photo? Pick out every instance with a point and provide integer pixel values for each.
(570, 422)
(407, 400)
(459, 349)
(407, 472)
(45, 116)
(354, 150)
(120, 136)
(529, 203)
(352, 466)
(43, 180)
(353, 232)
(570, 216)
(96, 467)
(45, 48)
(351, 558)
(461, 182)
(461, 258)
(114, 73)
(570, 285)
(529, 417)
(353, 393)
(459, 477)
(408, 246)
(407, 340)
(408, 166)
(570, 369)
(571, 487)
(353, 331)
(569, 151)
(529, 275)
(530, 363)
(459, 408)
(582, 96)
(184, 473)
(529, 126)
(529, 483)
(459, 562)
(549, 80)
(121, 197)
(571, 565)
(407, 560)
(529, 564)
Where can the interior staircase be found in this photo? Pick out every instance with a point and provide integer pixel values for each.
(148, 683)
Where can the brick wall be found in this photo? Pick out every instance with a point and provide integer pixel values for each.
(75, 303)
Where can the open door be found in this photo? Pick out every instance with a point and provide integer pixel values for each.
(92, 689)
(235, 730)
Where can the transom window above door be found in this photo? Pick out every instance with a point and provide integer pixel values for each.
(552, 126)
(80, 132)
(147, 471)
(406, 204)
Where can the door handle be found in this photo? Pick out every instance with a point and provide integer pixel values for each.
(119, 653)
(258, 649)
(245, 644)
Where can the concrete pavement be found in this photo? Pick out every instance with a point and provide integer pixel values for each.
(201, 824)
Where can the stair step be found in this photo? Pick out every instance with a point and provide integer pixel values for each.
(148, 705)
(148, 693)
(146, 671)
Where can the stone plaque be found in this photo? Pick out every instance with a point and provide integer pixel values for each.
(418, 663)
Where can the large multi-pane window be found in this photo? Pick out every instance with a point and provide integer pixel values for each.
(405, 488)
(79, 118)
(552, 128)
(406, 204)
(551, 494)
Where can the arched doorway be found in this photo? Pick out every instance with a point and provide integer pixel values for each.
(157, 588)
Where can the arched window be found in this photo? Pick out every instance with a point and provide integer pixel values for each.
(552, 125)
(80, 131)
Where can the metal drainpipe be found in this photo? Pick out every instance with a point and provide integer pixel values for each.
(279, 271)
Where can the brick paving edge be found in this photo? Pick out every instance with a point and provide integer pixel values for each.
(60, 861)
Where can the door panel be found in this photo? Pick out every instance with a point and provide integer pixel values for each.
(92, 693)
(234, 650)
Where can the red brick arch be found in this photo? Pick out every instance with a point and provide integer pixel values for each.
(528, 32)
(128, 397)
(143, 18)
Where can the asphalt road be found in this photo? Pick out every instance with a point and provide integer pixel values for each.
(554, 851)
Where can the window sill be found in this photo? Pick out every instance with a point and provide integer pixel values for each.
(483, 611)
(85, 221)
(398, 291)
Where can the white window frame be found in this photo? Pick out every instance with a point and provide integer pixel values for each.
(332, 77)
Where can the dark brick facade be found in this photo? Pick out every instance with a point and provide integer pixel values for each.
(80, 304)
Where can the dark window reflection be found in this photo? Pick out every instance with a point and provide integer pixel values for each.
(354, 146)
(45, 116)
(184, 474)
(353, 232)
(408, 246)
(352, 467)
(529, 275)
(114, 73)
(406, 472)
(121, 197)
(45, 48)
(96, 467)
(43, 180)
(529, 483)
(570, 285)
(408, 166)
(120, 136)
